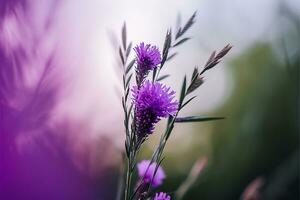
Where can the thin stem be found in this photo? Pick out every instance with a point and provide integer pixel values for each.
(128, 179)
(121, 179)
(129, 171)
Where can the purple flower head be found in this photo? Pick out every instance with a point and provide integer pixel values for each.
(153, 101)
(162, 196)
(145, 171)
(147, 58)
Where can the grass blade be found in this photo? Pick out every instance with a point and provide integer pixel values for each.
(196, 119)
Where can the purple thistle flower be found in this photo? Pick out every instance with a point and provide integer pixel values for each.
(153, 101)
(162, 196)
(147, 58)
(146, 171)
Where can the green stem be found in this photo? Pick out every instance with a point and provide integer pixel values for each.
(128, 179)
(121, 179)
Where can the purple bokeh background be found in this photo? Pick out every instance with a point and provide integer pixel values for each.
(44, 152)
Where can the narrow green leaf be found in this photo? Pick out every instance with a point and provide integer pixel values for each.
(129, 66)
(188, 101)
(128, 81)
(168, 40)
(127, 93)
(127, 150)
(163, 77)
(183, 90)
(121, 56)
(130, 109)
(197, 82)
(170, 127)
(223, 52)
(123, 79)
(211, 58)
(181, 41)
(167, 45)
(124, 105)
(195, 72)
(196, 119)
(187, 26)
(128, 50)
(154, 74)
(124, 36)
(171, 56)
(178, 33)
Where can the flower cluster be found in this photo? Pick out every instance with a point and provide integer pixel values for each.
(147, 59)
(153, 101)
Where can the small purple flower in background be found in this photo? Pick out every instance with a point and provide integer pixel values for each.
(162, 196)
(153, 101)
(147, 58)
(145, 171)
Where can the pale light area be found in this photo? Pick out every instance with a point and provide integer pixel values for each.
(84, 27)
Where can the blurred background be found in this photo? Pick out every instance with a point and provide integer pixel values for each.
(61, 133)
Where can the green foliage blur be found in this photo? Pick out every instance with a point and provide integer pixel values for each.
(261, 131)
(260, 137)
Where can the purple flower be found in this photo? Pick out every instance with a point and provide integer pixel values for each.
(147, 58)
(145, 171)
(153, 101)
(162, 196)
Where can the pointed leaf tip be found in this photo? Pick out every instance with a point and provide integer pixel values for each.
(196, 119)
